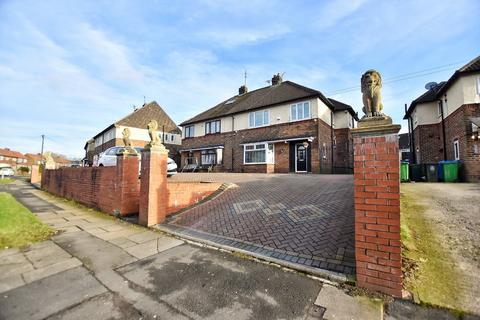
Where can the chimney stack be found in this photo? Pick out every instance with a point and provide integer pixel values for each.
(276, 79)
(242, 90)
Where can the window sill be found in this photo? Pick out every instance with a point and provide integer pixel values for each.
(256, 163)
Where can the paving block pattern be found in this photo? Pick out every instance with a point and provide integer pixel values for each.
(305, 219)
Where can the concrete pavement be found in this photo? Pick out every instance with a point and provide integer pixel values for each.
(99, 267)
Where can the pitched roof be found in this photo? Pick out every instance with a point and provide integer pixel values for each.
(142, 116)
(264, 97)
(429, 96)
(436, 92)
(340, 106)
(6, 152)
(471, 67)
(33, 157)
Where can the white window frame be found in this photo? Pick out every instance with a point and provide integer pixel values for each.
(456, 149)
(439, 108)
(190, 130)
(295, 115)
(478, 86)
(252, 116)
(415, 117)
(217, 125)
(269, 153)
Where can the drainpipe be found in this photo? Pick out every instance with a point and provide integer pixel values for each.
(411, 138)
(443, 128)
(331, 138)
(233, 132)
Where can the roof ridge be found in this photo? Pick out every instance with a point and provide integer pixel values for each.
(468, 64)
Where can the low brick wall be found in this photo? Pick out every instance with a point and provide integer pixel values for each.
(109, 189)
(117, 189)
(258, 168)
(184, 194)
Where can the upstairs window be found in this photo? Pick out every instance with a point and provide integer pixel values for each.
(439, 108)
(259, 118)
(190, 131)
(212, 127)
(478, 86)
(300, 111)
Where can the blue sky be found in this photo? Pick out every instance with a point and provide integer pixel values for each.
(68, 69)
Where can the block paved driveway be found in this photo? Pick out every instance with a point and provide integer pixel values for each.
(302, 219)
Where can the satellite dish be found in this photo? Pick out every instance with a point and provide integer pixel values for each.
(430, 85)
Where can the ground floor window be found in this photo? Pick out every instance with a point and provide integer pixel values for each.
(258, 153)
(212, 156)
(209, 156)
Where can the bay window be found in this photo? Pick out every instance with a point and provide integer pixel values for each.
(300, 111)
(259, 118)
(209, 156)
(258, 153)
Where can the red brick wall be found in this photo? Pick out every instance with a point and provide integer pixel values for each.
(109, 189)
(259, 168)
(343, 151)
(233, 151)
(377, 214)
(282, 154)
(185, 194)
(428, 138)
(458, 126)
(91, 186)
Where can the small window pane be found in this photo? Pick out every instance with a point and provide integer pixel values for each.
(258, 118)
(250, 147)
(266, 117)
(300, 112)
(294, 112)
(251, 119)
(306, 110)
(259, 146)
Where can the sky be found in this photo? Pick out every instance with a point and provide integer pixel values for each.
(68, 69)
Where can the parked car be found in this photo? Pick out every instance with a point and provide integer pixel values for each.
(7, 172)
(109, 158)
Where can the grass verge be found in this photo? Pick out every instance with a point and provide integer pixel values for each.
(6, 180)
(429, 270)
(18, 226)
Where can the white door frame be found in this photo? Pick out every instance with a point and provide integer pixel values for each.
(306, 159)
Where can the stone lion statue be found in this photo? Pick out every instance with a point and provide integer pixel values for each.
(128, 144)
(152, 132)
(126, 138)
(372, 98)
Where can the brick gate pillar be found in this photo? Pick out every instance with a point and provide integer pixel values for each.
(127, 187)
(377, 205)
(153, 186)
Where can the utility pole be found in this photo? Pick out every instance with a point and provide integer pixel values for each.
(43, 140)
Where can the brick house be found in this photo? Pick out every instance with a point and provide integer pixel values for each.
(169, 132)
(12, 158)
(445, 120)
(284, 127)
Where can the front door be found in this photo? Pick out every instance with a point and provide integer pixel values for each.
(300, 158)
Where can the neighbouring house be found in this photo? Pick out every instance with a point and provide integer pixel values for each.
(404, 147)
(444, 121)
(12, 158)
(33, 159)
(284, 127)
(169, 133)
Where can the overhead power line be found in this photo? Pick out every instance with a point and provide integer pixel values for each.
(406, 76)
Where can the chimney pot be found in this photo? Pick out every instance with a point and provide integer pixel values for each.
(242, 90)
(276, 79)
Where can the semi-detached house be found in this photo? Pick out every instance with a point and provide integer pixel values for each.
(444, 121)
(284, 127)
